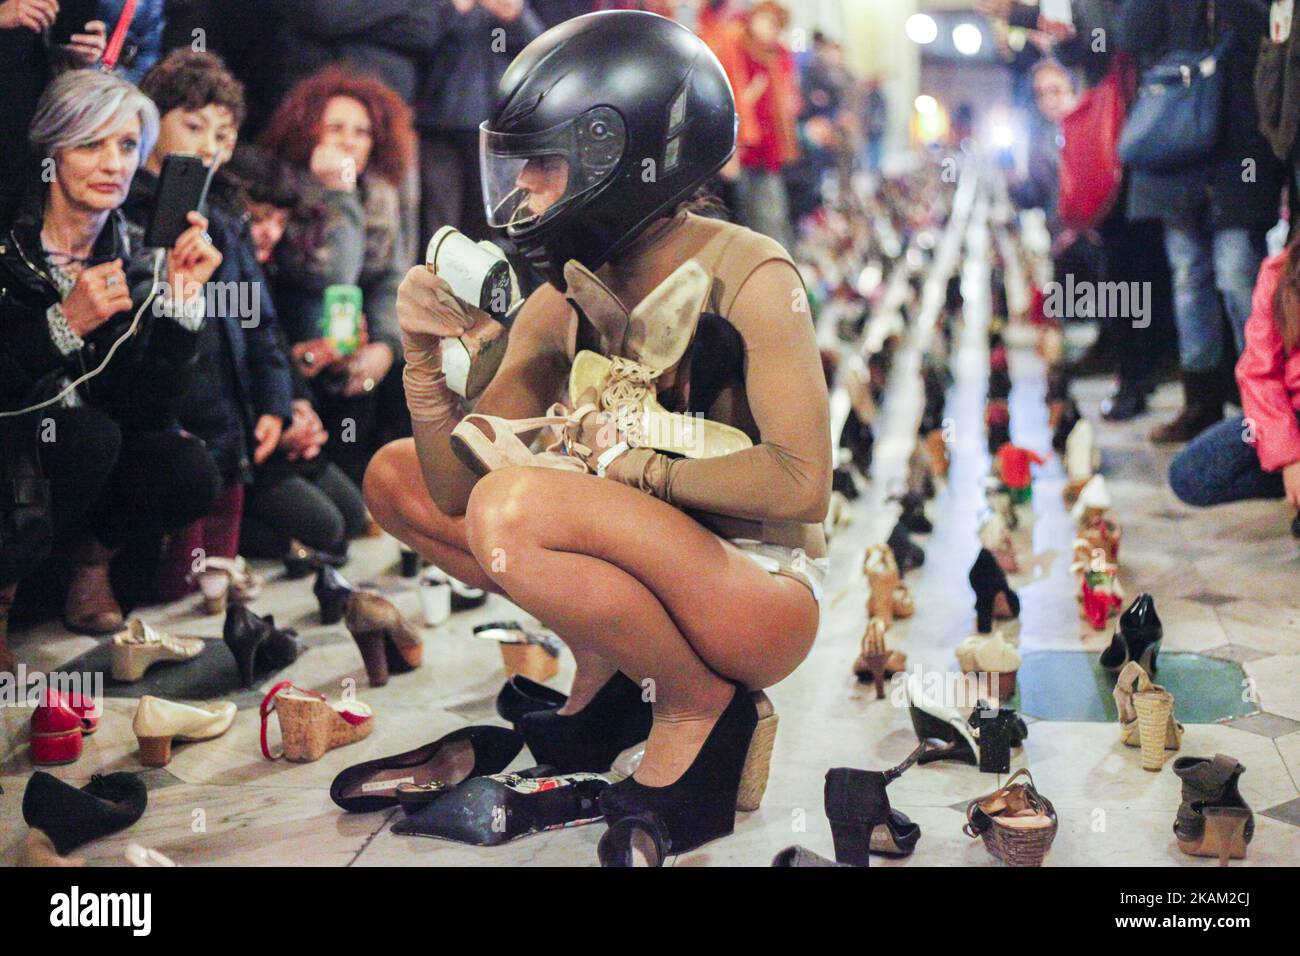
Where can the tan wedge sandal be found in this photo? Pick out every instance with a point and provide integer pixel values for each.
(1146, 716)
(889, 597)
(310, 725)
(138, 647)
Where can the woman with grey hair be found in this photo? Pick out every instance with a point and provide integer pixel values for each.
(95, 403)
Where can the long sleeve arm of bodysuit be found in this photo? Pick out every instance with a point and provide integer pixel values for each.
(526, 383)
(787, 476)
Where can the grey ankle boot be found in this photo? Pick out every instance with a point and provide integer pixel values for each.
(1210, 793)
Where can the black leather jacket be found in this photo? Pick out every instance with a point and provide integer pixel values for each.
(140, 387)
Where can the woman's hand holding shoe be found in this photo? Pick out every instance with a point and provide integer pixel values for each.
(99, 294)
(427, 313)
(427, 310)
(596, 431)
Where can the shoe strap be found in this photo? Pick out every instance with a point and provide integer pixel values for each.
(893, 773)
(268, 705)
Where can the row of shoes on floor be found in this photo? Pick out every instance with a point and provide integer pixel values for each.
(386, 642)
(887, 563)
(63, 817)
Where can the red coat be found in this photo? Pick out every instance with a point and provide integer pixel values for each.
(1268, 378)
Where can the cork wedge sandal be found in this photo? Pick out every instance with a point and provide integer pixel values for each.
(310, 725)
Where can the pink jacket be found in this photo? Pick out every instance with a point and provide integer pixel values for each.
(1268, 378)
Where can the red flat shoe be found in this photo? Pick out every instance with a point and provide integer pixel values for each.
(86, 708)
(56, 732)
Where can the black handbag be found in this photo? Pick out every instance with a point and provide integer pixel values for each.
(1177, 119)
(26, 530)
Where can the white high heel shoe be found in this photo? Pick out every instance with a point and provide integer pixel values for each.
(158, 722)
(487, 443)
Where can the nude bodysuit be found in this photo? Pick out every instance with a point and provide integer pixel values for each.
(759, 372)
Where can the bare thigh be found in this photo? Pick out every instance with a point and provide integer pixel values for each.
(743, 622)
(398, 499)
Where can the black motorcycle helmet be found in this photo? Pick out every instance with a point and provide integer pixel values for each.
(606, 122)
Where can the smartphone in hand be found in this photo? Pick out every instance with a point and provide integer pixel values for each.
(72, 18)
(182, 189)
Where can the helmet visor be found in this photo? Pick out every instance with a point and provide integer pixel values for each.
(529, 178)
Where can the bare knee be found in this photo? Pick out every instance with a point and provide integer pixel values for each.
(501, 515)
(387, 479)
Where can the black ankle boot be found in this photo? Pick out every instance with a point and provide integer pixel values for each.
(588, 741)
(332, 592)
(258, 646)
(998, 731)
(1137, 638)
(701, 805)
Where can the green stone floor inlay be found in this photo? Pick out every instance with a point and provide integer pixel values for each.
(1071, 685)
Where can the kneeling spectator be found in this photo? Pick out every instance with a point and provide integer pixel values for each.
(353, 136)
(76, 278)
(241, 402)
(1256, 455)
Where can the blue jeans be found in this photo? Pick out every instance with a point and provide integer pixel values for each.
(1217, 467)
(1205, 260)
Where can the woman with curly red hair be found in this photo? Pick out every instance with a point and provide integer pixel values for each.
(354, 136)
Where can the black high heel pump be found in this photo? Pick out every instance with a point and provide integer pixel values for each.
(1137, 638)
(989, 582)
(588, 741)
(333, 591)
(258, 646)
(521, 695)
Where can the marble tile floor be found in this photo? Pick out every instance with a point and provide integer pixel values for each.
(1224, 580)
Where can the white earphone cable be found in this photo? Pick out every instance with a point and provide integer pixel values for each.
(159, 256)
